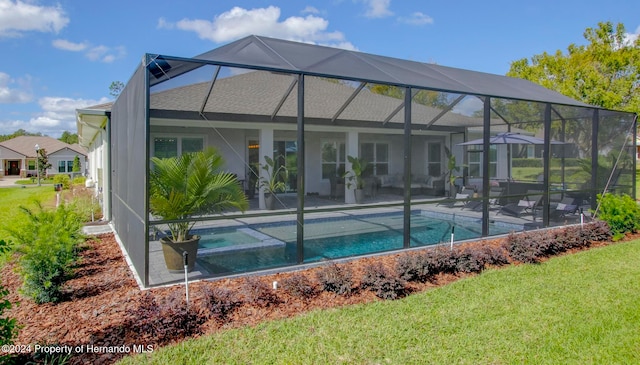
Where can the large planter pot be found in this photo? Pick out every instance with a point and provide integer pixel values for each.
(359, 196)
(173, 253)
(270, 201)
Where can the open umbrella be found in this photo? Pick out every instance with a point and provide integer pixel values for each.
(508, 138)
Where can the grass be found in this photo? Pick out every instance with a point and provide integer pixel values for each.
(12, 198)
(574, 309)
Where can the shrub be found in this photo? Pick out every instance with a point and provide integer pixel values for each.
(598, 231)
(79, 180)
(221, 302)
(298, 285)
(470, 259)
(48, 243)
(496, 256)
(257, 292)
(414, 267)
(164, 321)
(379, 280)
(63, 179)
(521, 247)
(621, 212)
(443, 260)
(336, 278)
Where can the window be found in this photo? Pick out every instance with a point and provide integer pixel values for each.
(32, 165)
(377, 157)
(164, 147)
(333, 157)
(434, 159)
(475, 161)
(69, 166)
(65, 166)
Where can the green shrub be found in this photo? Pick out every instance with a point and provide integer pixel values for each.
(621, 212)
(63, 179)
(48, 246)
(79, 180)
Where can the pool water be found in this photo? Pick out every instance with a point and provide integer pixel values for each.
(333, 238)
(224, 237)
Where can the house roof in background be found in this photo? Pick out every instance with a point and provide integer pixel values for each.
(25, 145)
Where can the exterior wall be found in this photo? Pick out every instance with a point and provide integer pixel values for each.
(65, 155)
(7, 155)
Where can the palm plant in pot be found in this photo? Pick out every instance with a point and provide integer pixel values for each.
(272, 181)
(355, 178)
(187, 186)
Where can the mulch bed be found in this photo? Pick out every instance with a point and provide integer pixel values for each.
(100, 299)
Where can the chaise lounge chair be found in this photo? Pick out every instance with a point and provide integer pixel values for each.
(528, 204)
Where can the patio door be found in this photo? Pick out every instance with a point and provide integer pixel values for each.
(285, 154)
(434, 159)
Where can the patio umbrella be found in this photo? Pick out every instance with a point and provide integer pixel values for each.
(508, 138)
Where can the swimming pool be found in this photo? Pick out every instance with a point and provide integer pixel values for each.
(263, 246)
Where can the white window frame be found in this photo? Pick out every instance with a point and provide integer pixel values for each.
(339, 159)
(375, 161)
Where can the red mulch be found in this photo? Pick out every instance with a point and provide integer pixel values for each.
(99, 300)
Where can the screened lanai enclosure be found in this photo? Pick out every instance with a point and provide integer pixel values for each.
(318, 111)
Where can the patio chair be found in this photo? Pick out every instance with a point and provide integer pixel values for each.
(528, 204)
(461, 199)
(495, 193)
(567, 206)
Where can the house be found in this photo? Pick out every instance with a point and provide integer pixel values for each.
(18, 156)
(310, 107)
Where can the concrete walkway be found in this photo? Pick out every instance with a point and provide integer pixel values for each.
(9, 181)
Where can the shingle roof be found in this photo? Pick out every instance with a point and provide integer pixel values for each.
(25, 145)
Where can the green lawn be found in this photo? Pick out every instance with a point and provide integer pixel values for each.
(575, 309)
(12, 198)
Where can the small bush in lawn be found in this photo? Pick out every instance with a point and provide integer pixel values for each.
(63, 179)
(48, 242)
(621, 212)
(259, 293)
(336, 278)
(221, 302)
(164, 321)
(299, 285)
(385, 284)
(414, 267)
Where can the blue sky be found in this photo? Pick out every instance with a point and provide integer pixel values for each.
(61, 55)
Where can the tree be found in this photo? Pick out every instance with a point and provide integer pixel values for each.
(116, 88)
(19, 132)
(605, 72)
(76, 164)
(68, 137)
(43, 162)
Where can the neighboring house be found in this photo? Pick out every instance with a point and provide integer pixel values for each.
(18, 156)
(310, 107)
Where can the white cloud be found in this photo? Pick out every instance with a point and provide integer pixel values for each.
(377, 8)
(94, 53)
(417, 18)
(630, 38)
(57, 115)
(18, 17)
(66, 45)
(11, 95)
(310, 10)
(238, 22)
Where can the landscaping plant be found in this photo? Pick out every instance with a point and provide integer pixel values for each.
(621, 212)
(48, 243)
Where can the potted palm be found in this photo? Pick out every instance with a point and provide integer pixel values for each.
(452, 169)
(180, 188)
(272, 181)
(355, 178)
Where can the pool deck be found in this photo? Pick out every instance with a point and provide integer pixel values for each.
(158, 275)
